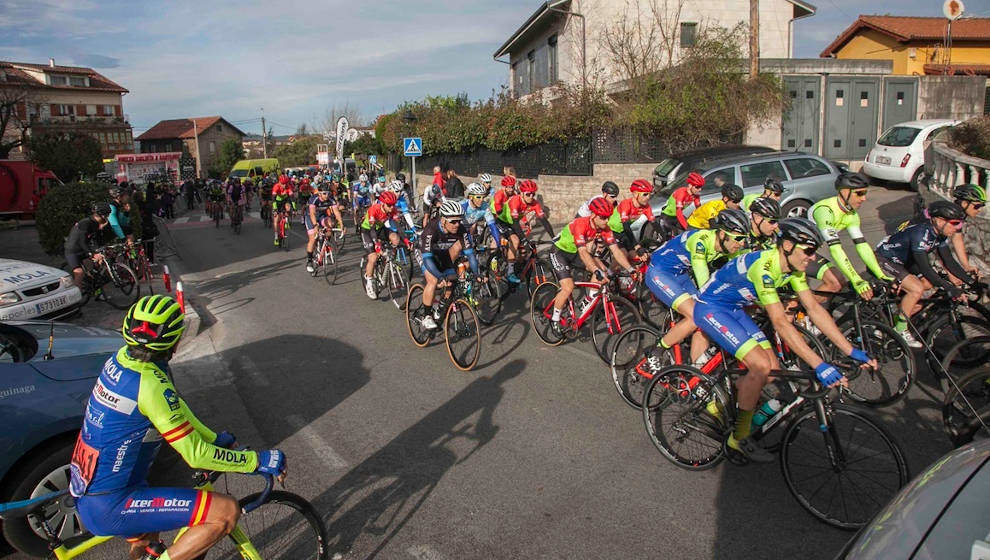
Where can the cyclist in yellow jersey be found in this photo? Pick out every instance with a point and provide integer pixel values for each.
(701, 218)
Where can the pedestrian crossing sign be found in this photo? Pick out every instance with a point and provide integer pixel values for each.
(412, 146)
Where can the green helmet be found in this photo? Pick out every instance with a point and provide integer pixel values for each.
(153, 322)
(972, 193)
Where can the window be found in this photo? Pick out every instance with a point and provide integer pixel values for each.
(754, 174)
(90, 110)
(78, 81)
(58, 80)
(103, 138)
(219, 127)
(715, 180)
(806, 167)
(689, 34)
(108, 110)
(530, 70)
(899, 136)
(66, 110)
(552, 59)
(516, 80)
(213, 147)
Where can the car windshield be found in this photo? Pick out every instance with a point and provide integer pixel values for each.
(239, 173)
(666, 166)
(899, 136)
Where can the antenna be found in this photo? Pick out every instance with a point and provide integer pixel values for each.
(953, 10)
(51, 340)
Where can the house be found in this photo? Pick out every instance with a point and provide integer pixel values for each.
(917, 46)
(562, 41)
(50, 98)
(201, 137)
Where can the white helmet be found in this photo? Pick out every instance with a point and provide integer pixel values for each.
(363, 178)
(395, 186)
(451, 209)
(476, 189)
(485, 178)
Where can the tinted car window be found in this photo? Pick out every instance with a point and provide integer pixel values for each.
(806, 167)
(715, 180)
(239, 173)
(665, 167)
(899, 136)
(964, 521)
(755, 174)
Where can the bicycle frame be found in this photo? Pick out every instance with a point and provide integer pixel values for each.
(611, 318)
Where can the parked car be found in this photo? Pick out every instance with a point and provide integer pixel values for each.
(35, 291)
(806, 178)
(899, 154)
(43, 394)
(682, 163)
(943, 513)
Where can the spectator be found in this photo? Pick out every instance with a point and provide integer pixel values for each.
(438, 179)
(148, 228)
(454, 186)
(167, 202)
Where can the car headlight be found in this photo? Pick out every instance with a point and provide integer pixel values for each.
(9, 297)
(65, 281)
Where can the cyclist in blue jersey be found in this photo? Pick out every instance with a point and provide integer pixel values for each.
(444, 239)
(133, 407)
(318, 210)
(119, 219)
(475, 207)
(401, 203)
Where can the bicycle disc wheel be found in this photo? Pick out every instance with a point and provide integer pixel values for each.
(286, 526)
(895, 360)
(488, 297)
(626, 316)
(541, 308)
(628, 362)
(415, 311)
(689, 425)
(462, 335)
(123, 291)
(966, 407)
(867, 471)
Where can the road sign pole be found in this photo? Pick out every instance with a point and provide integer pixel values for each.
(415, 198)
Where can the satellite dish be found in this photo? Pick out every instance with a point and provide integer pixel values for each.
(953, 9)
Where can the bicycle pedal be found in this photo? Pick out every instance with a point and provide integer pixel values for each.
(734, 456)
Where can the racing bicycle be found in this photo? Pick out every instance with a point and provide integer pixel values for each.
(455, 314)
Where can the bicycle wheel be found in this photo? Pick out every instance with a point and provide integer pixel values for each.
(628, 363)
(539, 273)
(415, 311)
(845, 474)
(895, 375)
(462, 334)
(652, 310)
(626, 316)
(488, 299)
(946, 333)
(966, 407)
(541, 308)
(330, 267)
(687, 419)
(123, 289)
(973, 350)
(398, 284)
(286, 526)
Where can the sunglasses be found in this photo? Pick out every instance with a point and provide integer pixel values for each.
(860, 192)
(529, 194)
(808, 251)
(739, 238)
(956, 223)
(453, 221)
(477, 196)
(977, 205)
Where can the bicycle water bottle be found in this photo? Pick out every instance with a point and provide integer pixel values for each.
(765, 412)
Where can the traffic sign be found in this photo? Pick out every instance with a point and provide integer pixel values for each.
(413, 146)
(372, 160)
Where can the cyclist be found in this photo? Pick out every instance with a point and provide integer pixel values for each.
(905, 254)
(84, 237)
(133, 407)
(236, 198)
(753, 278)
(610, 191)
(972, 199)
(119, 219)
(282, 203)
(635, 210)
(576, 243)
(432, 199)
(673, 211)
(771, 189)
(764, 216)
(833, 215)
(681, 265)
(511, 217)
(474, 206)
(732, 195)
(373, 231)
(379, 187)
(361, 194)
(443, 240)
(486, 181)
(216, 196)
(402, 202)
(318, 211)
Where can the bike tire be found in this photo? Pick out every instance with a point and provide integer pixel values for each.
(961, 423)
(330, 267)
(678, 421)
(414, 309)
(896, 365)
(628, 354)
(398, 281)
(303, 536)
(122, 292)
(540, 272)
(885, 461)
(945, 333)
(543, 297)
(488, 295)
(461, 325)
(627, 315)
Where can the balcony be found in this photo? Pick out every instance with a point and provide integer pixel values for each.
(65, 119)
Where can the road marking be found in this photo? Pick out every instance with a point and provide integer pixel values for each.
(204, 218)
(316, 441)
(181, 220)
(253, 371)
(424, 552)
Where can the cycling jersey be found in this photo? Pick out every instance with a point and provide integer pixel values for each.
(668, 276)
(678, 200)
(473, 215)
(908, 251)
(516, 207)
(119, 221)
(376, 216)
(434, 247)
(701, 218)
(579, 233)
(831, 218)
(499, 199)
(748, 199)
(750, 278)
(629, 212)
(322, 208)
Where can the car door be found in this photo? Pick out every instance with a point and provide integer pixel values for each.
(716, 179)
(811, 179)
(754, 175)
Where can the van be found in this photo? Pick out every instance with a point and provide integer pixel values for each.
(22, 186)
(251, 168)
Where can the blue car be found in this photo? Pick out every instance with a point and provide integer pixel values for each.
(43, 391)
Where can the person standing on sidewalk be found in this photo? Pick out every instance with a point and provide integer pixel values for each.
(454, 186)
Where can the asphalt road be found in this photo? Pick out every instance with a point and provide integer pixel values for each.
(532, 455)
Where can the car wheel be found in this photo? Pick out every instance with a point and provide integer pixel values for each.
(46, 471)
(916, 179)
(795, 209)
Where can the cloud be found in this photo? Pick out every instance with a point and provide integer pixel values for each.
(95, 60)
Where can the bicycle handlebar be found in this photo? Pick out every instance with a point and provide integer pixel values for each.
(263, 497)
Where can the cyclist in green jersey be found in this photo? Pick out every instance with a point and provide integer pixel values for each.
(771, 189)
(764, 215)
(833, 215)
(972, 199)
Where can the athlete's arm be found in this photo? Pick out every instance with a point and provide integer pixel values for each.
(824, 321)
(790, 335)
(699, 264)
(680, 207)
(952, 265)
(959, 246)
(114, 220)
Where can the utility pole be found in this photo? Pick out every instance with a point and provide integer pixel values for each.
(754, 39)
(196, 139)
(264, 135)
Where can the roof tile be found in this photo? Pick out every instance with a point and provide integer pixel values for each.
(909, 28)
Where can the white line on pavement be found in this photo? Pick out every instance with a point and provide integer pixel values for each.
(316, 441)
(204, 218)
(181, 220)
(424, 552)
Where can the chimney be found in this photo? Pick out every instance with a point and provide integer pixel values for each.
(51, 62)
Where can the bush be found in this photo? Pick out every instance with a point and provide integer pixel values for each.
(972, 137)
(69, 156)
(64, 205)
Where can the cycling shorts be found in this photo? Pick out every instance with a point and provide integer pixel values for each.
(671, 224)
(443, 262)
(671, 289)
(74, 260)
(362, 201)
(325, 221)
(369, 236)
(732, 329)
(563, 263)
(504, 229)
(143, 509)
(893, 269)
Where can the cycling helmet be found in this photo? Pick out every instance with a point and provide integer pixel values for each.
(732, 192)
(601, 207)
(475, 189)
(100, 209)
(388, 197)
(114, 192)
(153, 322)
(766, 207)
(451, 209)
(508, 181)
(396, 186)
(528, 186)
(381, 179)
(485, 178)
(322, 187)
(400, 177)
(608, 187)
(773, 185)
(800, 230)
(363, 178)
(732, 221)
(435, 191)
(641, 186)
(695, 179)
(851, 181)
(972, 193)
(947, 210)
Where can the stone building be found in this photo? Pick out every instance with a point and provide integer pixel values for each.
(201, 137)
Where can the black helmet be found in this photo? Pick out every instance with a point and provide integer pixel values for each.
(400, 177)
(732, 221)
(946, 210)
(732, 192)
(773, 185)
(114, 191)
(972, 193)
(766, 207)
(851, 181)
(100, 209)
(608, 187)
(800, 230)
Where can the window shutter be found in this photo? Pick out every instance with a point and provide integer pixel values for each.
(55, 111)
(80, 110)
(116, 110)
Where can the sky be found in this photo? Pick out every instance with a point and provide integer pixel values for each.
(296, 59)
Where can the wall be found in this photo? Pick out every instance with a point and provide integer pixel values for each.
(870, 44)
(951, 97)
(218, 133)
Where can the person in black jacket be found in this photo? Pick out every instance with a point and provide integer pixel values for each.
(148, 228)
(84, 237)
(453, 186)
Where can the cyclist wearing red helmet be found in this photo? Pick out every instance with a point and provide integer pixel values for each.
(635, 210)
(513, 214)
(374, 230)
(673, 210)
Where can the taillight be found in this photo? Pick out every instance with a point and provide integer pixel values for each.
(869, 154)
(907, 158)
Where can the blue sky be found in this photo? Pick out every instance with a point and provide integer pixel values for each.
(298, 58)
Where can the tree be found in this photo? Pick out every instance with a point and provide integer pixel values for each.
(69, 155)
(365, 144)
(300, 152)
(231, 152)
(329, 121)
(301, 130)
(14, 116)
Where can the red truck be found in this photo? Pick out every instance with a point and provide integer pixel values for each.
(22, 185)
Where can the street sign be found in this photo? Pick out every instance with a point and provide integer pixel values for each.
(372, 160)
(413, 147)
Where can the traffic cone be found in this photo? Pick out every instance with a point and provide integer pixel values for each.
(180, 296)
(166, 279)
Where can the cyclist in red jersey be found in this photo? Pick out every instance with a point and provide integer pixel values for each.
(282, 199)
(374, 231)
(512, 217)
(673, 210)
(633, 210)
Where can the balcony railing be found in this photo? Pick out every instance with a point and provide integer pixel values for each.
(61, 119)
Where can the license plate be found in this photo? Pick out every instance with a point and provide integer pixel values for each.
(50, 305)
(883, 160)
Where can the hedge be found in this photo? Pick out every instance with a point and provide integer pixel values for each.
(63, 206)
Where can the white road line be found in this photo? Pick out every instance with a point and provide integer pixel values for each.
(205, 218)
(181, 220)
(316, 441)
(424, 552)
(253, 371)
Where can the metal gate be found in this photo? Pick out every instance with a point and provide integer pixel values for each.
(851, 116)
(799, 128)
(900, 101)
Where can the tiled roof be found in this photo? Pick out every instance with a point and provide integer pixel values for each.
(97, 81)
(905, 28)
(182, 128)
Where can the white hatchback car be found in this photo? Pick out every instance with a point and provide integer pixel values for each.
(899, 154)
(35, 291)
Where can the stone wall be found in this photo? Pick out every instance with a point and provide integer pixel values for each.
(951, 97)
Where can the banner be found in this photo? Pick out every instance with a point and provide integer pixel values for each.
(341, 131)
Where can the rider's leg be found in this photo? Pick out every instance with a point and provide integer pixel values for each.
(220, 521)
(914, 289)
(565, 291)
